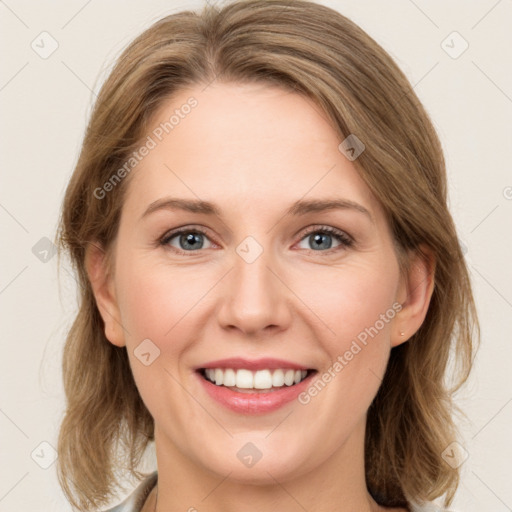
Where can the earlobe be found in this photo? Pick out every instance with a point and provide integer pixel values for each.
(98, 271)
(415, 293)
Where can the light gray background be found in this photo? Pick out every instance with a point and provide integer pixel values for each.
(45, 104)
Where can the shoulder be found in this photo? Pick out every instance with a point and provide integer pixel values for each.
(135, 501)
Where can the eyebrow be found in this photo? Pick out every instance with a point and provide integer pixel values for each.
(300, 207)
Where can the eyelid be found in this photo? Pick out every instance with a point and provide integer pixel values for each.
(168, 235)
(346, 240)
(327, 229)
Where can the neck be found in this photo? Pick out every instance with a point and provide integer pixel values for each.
(338, 483)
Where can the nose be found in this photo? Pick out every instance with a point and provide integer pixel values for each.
(255, 298)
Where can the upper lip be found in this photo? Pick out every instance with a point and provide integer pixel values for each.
(253, 364)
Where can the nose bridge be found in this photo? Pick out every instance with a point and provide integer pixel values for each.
(255, 297)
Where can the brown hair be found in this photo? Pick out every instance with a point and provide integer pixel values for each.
(315, 51)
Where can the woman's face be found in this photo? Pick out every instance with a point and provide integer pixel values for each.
(271, 274)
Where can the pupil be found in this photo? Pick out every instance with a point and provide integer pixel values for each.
(318, 240)
(191, 239)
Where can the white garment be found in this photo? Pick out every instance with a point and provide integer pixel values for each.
(427, 507)
(135, 501)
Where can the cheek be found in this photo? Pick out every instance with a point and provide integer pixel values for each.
(356, 305)
(161, 305)
(350, 299)
(155, 299)
(343, 302)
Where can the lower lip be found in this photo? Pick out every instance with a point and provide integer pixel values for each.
(254, 403)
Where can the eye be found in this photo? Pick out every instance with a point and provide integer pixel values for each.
(321, 239)
(186, 240)
(189, 240)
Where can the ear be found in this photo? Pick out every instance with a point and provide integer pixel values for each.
(102, 283)
(415, 292)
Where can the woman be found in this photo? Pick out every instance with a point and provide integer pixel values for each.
(271, 281)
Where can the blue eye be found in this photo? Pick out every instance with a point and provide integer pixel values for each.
(321, 239)
(188, 240)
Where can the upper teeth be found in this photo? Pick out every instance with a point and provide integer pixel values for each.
(261, 379)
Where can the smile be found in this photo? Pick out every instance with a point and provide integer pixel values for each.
(254, 392)
(243, 379)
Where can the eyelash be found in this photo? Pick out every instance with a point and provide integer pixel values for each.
(345, 240)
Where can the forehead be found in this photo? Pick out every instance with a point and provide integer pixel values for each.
(244, 145)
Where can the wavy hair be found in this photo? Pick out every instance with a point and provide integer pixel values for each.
(312, 50)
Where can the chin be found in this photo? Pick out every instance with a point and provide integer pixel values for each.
(258, 466)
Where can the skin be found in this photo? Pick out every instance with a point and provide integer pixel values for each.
(253, 150)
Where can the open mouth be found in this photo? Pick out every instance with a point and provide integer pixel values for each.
(260, 381)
